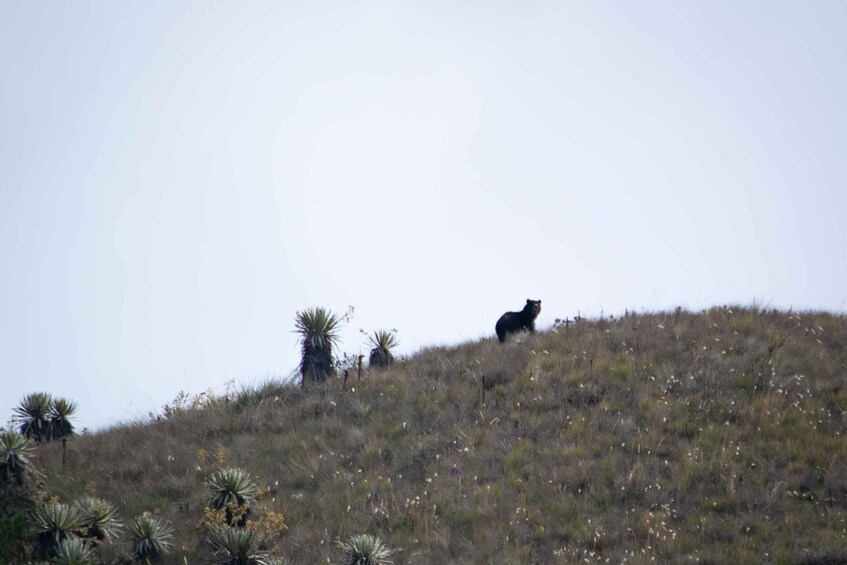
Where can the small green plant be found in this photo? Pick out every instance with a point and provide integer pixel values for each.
(150, 537)
(319, 333)
(383, 341)
(232, 490)
(236, 546)
(99, 519)
(15, 453)
(74, 551)
(33, 416)
(366, 550)
(54, 523)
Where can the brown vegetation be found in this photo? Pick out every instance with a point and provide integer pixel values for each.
(715, 437)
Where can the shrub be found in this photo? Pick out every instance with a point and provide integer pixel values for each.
(14, 542)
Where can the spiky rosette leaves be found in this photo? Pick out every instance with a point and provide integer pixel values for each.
(33, 416)
(236, 546)
(232, 489)
(19, 488)
(150, 536)
(382, 341)
(319, 333)
(41, 418)
(366, 550)
(100, 519)
(318, 326)
(60, 423)
(74, 551)
(53, 523)
(15, 453)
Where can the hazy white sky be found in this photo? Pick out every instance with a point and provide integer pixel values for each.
(178, 178)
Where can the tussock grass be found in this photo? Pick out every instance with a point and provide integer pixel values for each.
(716, 436)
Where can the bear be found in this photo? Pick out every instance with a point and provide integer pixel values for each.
(512, 322)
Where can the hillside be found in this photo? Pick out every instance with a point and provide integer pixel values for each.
(711, 437)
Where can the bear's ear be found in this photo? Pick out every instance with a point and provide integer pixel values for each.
(528, 301)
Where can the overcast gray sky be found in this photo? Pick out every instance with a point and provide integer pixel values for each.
(177, 179)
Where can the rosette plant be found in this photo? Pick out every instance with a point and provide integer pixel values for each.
(15, 453)
(150, 537)
(74, 551)
(319, 333)
(100, 519)
(60, 414)
(33, 416)
(54, 523)
(237, 546)
(382, 342)
(41, 418)
(233, 491)
(366, 550)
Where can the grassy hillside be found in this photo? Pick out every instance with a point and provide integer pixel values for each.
(712, 437)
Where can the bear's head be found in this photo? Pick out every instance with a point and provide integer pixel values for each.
(533, 306)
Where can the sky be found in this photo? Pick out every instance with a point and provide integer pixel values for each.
(178, 179)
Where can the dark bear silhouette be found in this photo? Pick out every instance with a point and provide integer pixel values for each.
(512, 322)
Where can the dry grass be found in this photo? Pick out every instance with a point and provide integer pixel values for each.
(709, 437)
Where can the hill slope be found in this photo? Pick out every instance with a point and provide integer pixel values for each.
(716, 436)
